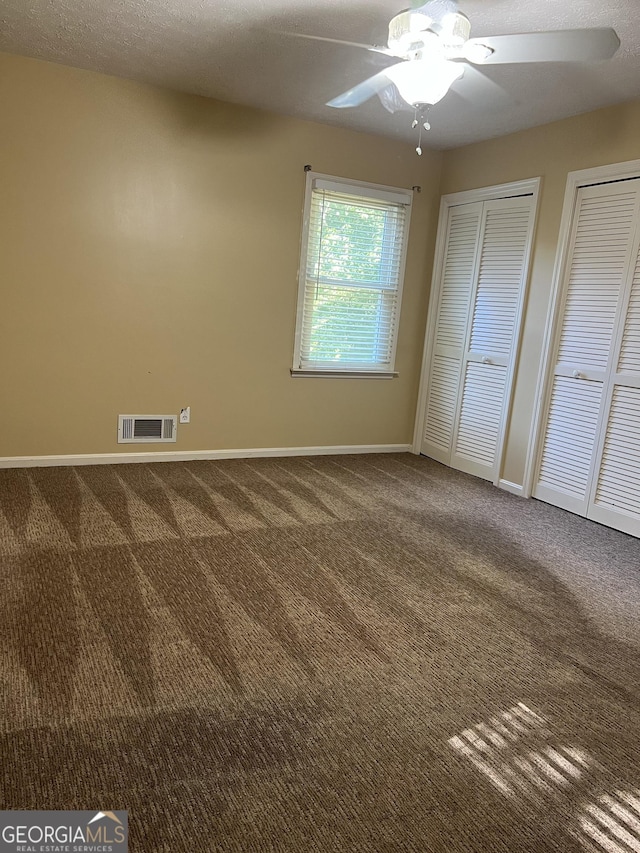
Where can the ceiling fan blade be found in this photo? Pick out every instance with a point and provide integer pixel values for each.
(372, 47)
(478, 89)
(552, 46)
(392, 100)
(362, 92)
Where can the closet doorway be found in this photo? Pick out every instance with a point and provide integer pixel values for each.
(588, 449)
(476, 306)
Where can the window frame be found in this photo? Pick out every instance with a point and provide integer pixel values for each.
(363, 189)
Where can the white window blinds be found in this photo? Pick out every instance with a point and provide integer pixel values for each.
(352, 267)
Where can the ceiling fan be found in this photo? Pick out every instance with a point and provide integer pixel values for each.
(433, 45)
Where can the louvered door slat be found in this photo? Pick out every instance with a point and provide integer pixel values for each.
(629, 478)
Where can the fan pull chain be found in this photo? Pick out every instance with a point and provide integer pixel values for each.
(424, 124)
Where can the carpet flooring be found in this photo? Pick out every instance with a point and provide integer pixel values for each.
(366, 653)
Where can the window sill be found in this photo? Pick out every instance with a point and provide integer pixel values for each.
(299, 373)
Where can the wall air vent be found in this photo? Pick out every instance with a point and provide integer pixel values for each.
(147, 429)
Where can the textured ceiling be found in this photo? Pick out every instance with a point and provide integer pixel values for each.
(238, 51)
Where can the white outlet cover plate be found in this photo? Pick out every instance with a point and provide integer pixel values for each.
(185, 415)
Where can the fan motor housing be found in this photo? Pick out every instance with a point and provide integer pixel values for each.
(411, 30)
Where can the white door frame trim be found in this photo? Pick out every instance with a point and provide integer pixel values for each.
(580, 178)
(530, 186)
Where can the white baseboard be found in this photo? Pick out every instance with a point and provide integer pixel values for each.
(190, 455)
(514, 488)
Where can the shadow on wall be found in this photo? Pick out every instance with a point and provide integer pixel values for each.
(229, 67)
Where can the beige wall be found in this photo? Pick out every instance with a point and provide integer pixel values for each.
(149, 245)
(606, 136)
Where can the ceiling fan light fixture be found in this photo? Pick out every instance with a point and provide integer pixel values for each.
(419, 22)
(424, 81)
(408, 29)
(455, 29)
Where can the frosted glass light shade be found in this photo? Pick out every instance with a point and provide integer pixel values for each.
(424, 81)
(455, 29)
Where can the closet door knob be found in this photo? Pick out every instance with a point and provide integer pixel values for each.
(576, 374)
(486, 359)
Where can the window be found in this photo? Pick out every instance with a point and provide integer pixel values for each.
(352, 265)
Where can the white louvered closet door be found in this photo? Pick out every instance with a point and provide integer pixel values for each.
(491, 335)
(615, 496)
(456, 287)
(480, 297)
(603, 249)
